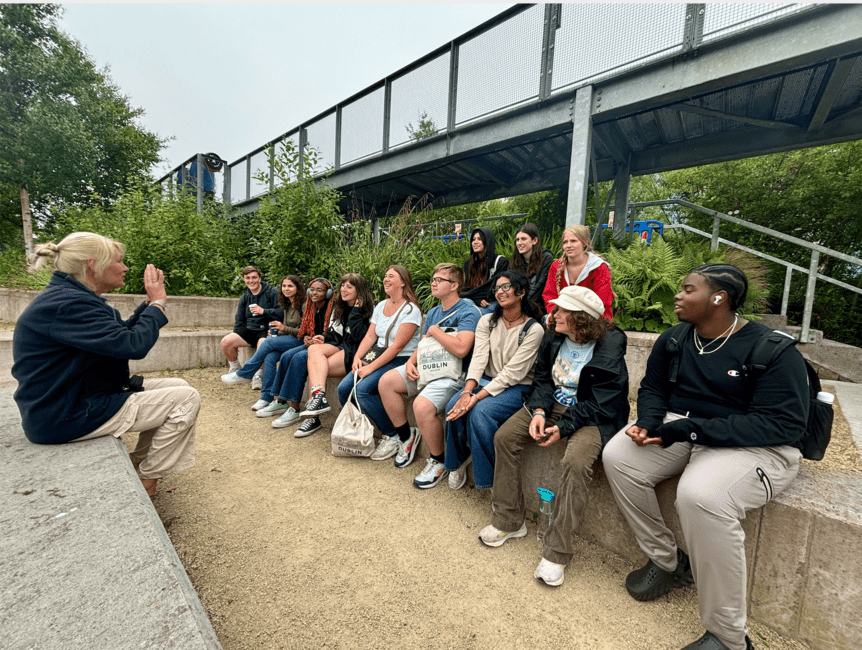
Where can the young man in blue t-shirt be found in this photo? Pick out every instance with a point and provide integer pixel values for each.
(452, 323)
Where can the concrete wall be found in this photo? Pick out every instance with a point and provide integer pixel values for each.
(183, 311)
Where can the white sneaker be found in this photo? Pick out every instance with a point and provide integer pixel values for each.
(458, 478)
(274, 408)
(259, 404)
(491, 536)
(433, 473)
(290, 416)
(407, 449)
(257, 380)
(233, 378)
(550, 573)
(386, 448)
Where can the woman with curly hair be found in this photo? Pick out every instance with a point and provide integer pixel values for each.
(270, 349)
(580, 394)
(533, 260)
(500, 374)
(334, 358)
(315, 321)
(579, 266)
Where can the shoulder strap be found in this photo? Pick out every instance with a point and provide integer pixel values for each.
(392, 324)
(528, 324)
(766, 350)
(673, 346)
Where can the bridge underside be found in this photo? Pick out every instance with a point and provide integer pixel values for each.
(781, 88)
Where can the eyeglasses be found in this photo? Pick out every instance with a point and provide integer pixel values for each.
(435, 280)
(502, 287)
(318, 289)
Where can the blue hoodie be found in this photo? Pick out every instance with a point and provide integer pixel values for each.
(71, 353)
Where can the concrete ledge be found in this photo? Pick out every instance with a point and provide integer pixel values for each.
(86, 562)
(184, 311)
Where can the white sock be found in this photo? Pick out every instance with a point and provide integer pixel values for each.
(315, 389)
(233, 366)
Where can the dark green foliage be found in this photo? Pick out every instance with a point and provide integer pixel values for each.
(813, 194)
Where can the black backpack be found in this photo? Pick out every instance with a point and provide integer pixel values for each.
(818, 430)
(528, 324)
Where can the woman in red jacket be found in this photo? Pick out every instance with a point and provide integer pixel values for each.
(579, 266)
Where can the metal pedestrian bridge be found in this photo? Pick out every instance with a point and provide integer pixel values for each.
(548, 96)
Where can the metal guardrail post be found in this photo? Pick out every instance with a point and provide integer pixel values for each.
(226, 197)
(199, 181)
(582, 147)
(785, 298)
(693, 33)
(387, 112)
(271, 156)
(552, 24)
(804, 337)
(338, 137)
(303, 141)
(375, 229)
(716, 224)
(248, 177)
(453, 87)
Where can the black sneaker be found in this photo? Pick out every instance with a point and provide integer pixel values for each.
(650, 581)
(307, 428)
(711, 642)
(316, 405)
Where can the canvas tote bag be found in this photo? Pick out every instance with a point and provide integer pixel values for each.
(352, 433)
(433, 361)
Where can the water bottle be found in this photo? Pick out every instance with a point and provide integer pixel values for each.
(546, 512)
(826, 398)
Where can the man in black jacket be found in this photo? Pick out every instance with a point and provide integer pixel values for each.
(580, 393)
(734, 440)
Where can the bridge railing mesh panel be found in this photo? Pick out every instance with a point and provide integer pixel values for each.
(500, 69)
(723, 19)
(259, 163)
(362, 127)
(422, 91)
(596, 40)
(237, 181)
(321, 137)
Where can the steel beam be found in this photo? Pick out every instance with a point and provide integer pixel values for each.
(709, 112)
(838, 75)
(621, 199)
(582, 147)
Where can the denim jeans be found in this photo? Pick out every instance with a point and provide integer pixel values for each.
(292, 374)
(475, 431)
(272, 385)
(268, 353)
(368, 397)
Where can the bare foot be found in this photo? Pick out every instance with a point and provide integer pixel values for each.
(150, 485)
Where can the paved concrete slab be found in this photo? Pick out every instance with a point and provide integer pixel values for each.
(86, 562)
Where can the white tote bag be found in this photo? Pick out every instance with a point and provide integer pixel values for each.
(352, 433)
(433, 361)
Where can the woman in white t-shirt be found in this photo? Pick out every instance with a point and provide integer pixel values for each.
(395, 327)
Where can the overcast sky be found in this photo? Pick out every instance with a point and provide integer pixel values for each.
(229, 77)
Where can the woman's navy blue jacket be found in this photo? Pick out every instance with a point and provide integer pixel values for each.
(71, 354)
(603, 389)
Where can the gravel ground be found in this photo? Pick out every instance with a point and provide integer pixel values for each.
(289, 547)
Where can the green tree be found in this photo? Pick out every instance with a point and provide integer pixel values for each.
(424, 129)
(67, 134)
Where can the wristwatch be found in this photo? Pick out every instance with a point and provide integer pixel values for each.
(158, 303)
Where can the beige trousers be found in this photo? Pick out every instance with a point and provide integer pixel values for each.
(718, 486)
(165, 413)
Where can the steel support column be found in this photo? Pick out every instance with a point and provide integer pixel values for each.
(621, 198)
(582, 146)
(226, 197)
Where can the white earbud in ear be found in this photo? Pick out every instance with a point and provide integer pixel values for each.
(717, 300)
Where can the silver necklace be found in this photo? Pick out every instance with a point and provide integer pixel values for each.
(701, 348)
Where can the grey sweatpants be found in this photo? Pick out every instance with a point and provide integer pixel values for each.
(717, 487)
